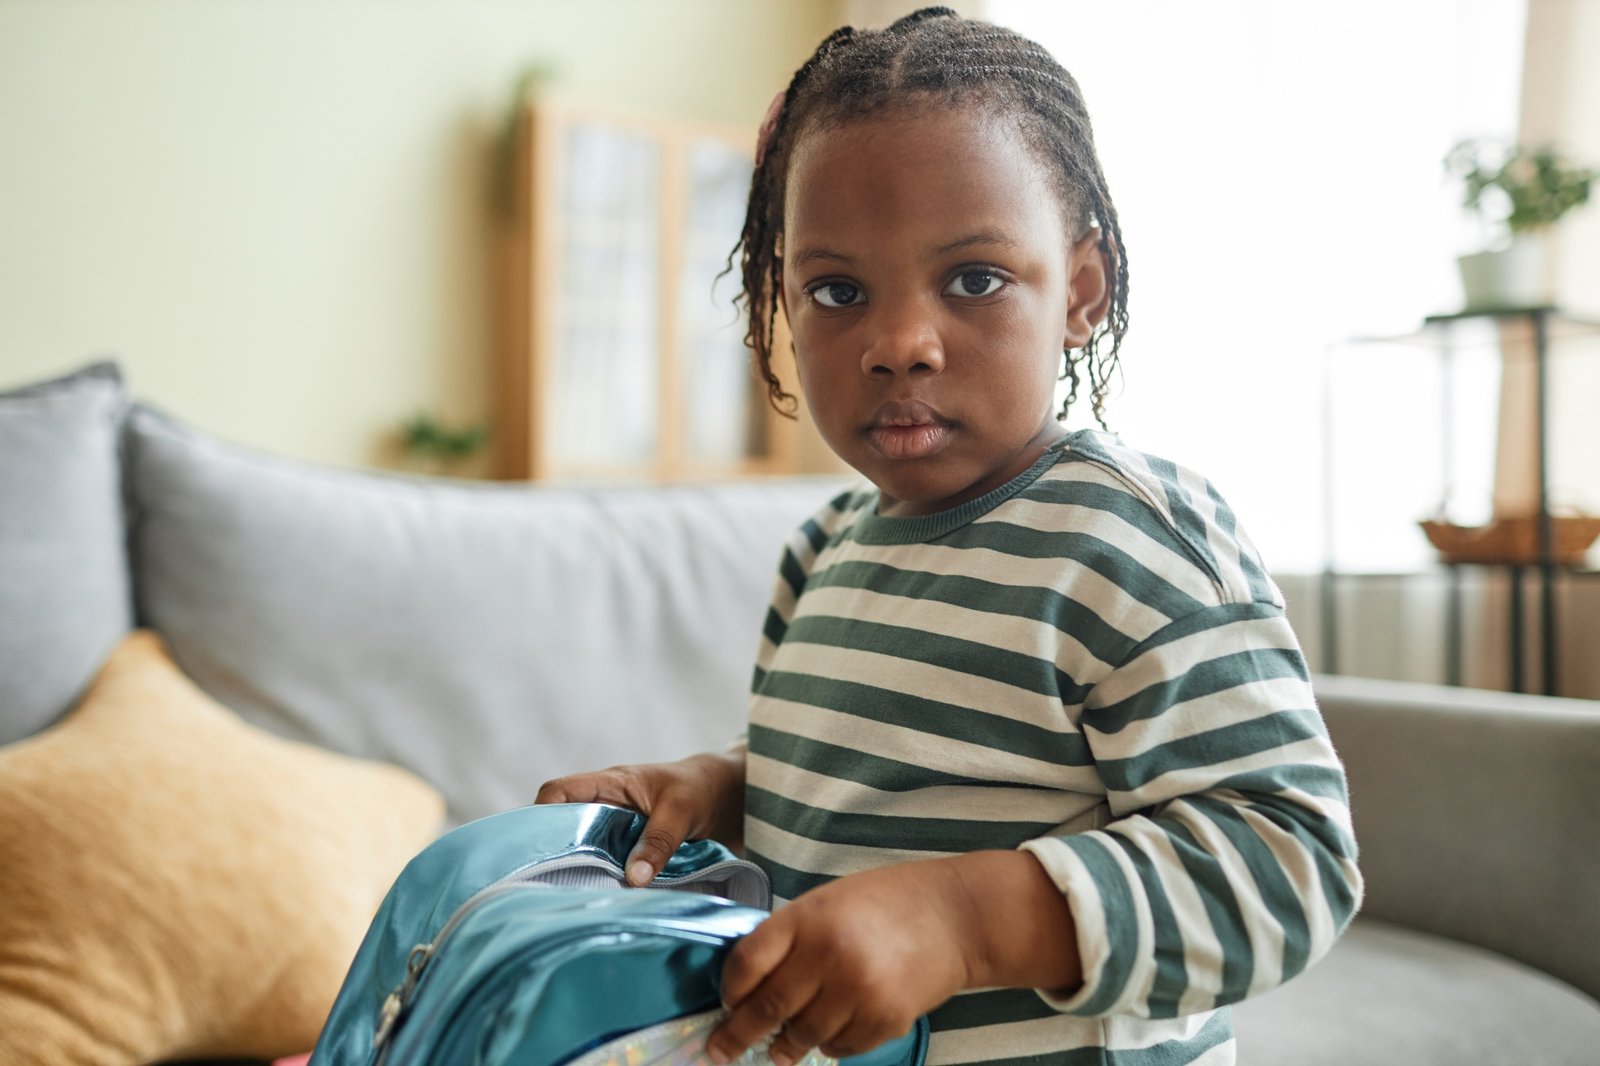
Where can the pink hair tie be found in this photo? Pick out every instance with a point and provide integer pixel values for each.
(769, 126)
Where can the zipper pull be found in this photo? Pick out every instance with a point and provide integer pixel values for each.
(387, 1016)
(394, 1004)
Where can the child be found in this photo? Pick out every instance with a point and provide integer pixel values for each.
(1032, 748)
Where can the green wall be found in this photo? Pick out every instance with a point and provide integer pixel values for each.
(276, 212)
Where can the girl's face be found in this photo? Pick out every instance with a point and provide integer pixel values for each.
(931, 284)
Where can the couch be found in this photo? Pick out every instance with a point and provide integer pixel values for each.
(477, 639)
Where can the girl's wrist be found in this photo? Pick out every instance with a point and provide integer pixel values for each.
(1013, 924)
(724, 775)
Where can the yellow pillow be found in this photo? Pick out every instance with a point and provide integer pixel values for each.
(175, 883)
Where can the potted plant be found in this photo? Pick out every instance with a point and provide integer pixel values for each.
(1517, 193)
(433, 447)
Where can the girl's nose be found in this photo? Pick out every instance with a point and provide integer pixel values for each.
(904, 344)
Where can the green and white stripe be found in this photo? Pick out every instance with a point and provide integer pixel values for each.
(1089, 663)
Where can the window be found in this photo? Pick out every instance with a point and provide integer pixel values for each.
(1276, 168)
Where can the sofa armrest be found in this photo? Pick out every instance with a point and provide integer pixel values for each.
(1477, 815)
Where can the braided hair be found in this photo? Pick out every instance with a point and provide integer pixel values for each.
(935, 55)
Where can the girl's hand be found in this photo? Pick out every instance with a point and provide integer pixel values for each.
(695, 798)
(846, 966)
(856, 961)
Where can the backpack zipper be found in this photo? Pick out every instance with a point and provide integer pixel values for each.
(396, 1002)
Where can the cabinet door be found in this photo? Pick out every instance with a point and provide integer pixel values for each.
(724, 412)
(601, 408)
(625, 354)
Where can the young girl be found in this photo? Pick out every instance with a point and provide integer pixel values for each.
(1032, 748)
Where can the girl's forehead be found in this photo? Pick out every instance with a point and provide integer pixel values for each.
(904, 188)
(910, 163)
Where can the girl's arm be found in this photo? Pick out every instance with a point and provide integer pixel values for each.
(1230, 865)
(1228, 868)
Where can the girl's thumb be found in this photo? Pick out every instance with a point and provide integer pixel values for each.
(661, 837)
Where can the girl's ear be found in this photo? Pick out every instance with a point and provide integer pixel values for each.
(1088, 289)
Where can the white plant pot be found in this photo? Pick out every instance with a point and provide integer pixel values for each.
(1518, 276)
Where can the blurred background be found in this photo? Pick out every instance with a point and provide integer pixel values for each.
(326, 228)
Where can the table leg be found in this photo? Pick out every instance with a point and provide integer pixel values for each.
(1519, 681)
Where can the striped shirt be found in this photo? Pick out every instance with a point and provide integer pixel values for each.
(1089, 663)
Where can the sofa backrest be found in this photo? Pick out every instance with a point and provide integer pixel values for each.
(1477, 815)
(487, 636)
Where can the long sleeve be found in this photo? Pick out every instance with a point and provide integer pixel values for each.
(1230, 864)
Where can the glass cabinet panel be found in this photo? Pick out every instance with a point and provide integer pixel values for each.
(723, 422)
(607, 371)
(622, 351)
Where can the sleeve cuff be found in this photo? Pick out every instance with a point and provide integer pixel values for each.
(1072, 876)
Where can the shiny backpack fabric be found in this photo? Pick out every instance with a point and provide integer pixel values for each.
(511, 942)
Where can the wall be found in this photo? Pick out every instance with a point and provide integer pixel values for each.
(875, 14)
(276, 213)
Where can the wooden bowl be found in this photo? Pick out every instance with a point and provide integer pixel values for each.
(1514, 540)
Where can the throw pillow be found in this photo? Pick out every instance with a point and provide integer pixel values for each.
(179, 884)
(63, 554)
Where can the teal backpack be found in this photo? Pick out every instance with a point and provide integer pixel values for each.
(511, 942)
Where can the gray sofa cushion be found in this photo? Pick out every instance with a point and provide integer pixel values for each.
(1476, 816)
(1390, 994)
(64, 597)
(487, 636)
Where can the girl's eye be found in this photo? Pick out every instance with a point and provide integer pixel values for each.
(836, 294)
(975, 283)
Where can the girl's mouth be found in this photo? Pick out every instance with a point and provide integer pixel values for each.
(908, 430)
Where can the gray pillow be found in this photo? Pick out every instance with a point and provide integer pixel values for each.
(64, 597)
(487, 636)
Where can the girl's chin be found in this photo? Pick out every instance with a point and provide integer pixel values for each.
(898, 498)
(911, 489)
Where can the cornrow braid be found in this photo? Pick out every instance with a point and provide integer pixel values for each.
(760, 265)
(922, 15)
(936, 55)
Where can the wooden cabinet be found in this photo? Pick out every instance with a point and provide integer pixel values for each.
(623, 354)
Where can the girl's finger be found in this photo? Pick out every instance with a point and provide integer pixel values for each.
(815, 1024)
(578, 789)
(760, 993)
(669, 823)
(860, 1035)
(756, 956)
(620, 786)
